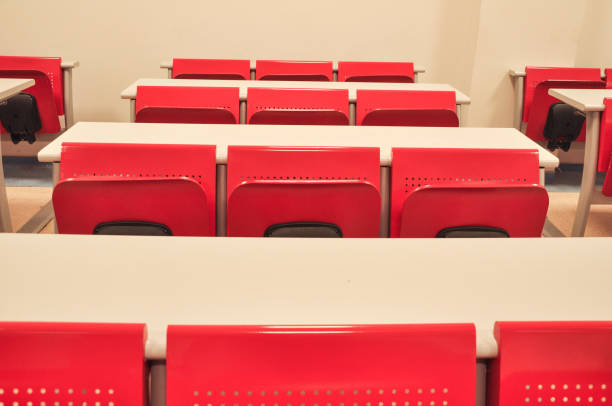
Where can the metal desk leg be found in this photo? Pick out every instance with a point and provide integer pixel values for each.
(5, 214)
(460, 114)
(243, 107)
(68, 105)
(169, 73)
(416, 77)
(158, 383)
(519, 86)
(385, 195)
(352, 114)
(132, 110)
(542, 176)
(221, 226)
(589, 171)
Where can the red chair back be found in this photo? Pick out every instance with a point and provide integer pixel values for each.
(170, 185)
(297, 106)
(605, 147)
(72, 363)
(608, 73)
(399, 72)
(221, 69)
(178, 104)
(270, 186)
(407, 108)
(566, 363)
(537, 101)
(429, 364)
(48, 88)
(318, 71)
(439, 189)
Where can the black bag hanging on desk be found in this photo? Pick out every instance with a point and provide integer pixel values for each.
(20, 117)
(563, 126)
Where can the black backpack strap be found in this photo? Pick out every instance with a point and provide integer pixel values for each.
(563, 126)
(20, 117)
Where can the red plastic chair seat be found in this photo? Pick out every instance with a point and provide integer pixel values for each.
(399, 72)
(317, 71)
(47, 90)
(173, 185)
(430, 364)
(221, 69)
(551, 362)
(178, 104)
(435, 189)
(297, 106)
(72, 363)
(407, 108)
(275, 185)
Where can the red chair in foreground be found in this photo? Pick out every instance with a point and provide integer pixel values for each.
(604, 162)
(221, 69)
(549, 363)
(317, 71)
(47, 91)
(399, 72)
(136, 189)
(178, 104)
(537, 102)
(407, 108)
(297, 106)
(466, 193)
(72, 364)
(429, 364)
(303, 192)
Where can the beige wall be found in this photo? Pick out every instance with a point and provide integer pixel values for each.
(468, 43)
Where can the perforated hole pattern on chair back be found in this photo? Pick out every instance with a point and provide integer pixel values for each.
(447, 187)
(409, 108)
(551, 363)
(318, 71)
(186, 104)
(400, 72)
(297, 106)
(72, 364)
(274, 185)
(222, 69)
(176, 183)
(48, 88)
(375, 365)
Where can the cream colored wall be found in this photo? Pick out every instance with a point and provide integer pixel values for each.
(467, 43)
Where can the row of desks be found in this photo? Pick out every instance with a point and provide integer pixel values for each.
(182, 280)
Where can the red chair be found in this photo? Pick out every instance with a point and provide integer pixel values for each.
(302, 191)
(178, 104)
(440, 192)
(319, 71)
(136, 189)
(429, 364)
(48, 88)
(548, 363)
(297, 106)
(72, 364)
(399, 72)
(222, 69)
(537, 101)
(608, 73)
(604, 163)
(407, 108)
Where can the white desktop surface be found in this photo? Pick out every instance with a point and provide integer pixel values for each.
(182, 280)
(11, 87)
(223, 135)
(583, 99)
(130, 92)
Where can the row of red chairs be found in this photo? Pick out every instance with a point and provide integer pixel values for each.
(298, 191)
(221, 105)
(240, 69)
(537, 101)
(79, 364)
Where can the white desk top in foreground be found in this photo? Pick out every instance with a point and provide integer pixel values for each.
(223, 135)
(130, 92)
(583, 99)
(170, 280)
(11, 87)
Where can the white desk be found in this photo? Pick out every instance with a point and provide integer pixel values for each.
(8, 89)
(589, 101)
(161, 281)
(168, 65)
(243, 85)
(223, 135)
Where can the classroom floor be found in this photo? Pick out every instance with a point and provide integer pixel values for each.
(29, 186)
